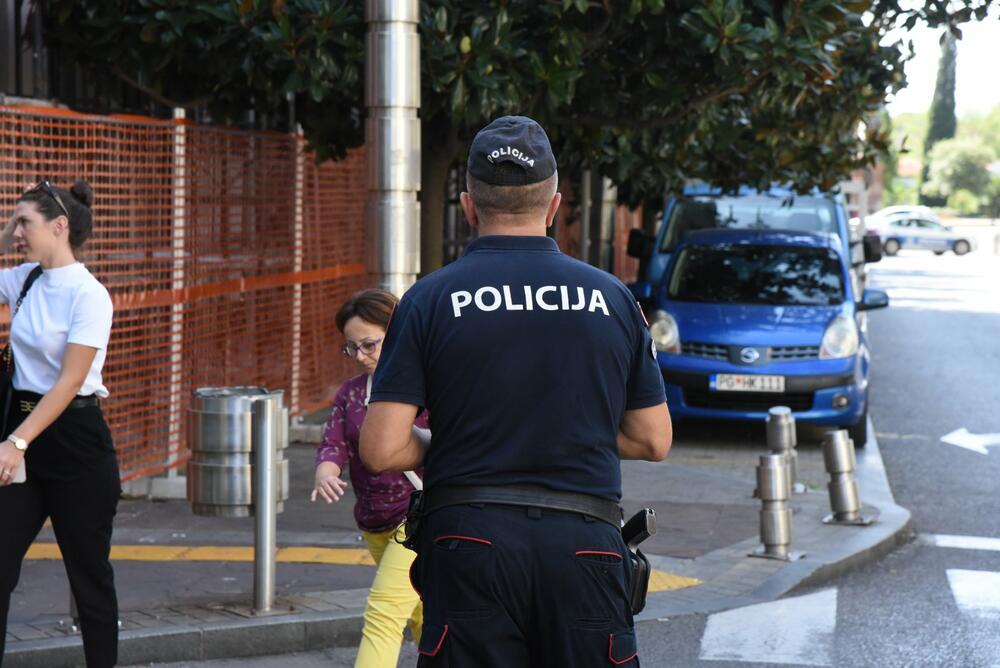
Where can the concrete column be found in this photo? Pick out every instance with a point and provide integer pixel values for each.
(392, 136)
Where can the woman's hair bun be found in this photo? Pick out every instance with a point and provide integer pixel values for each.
(82, 193)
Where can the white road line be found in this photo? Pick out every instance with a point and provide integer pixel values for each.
(962, 542)
(797, 630)
(977, 593)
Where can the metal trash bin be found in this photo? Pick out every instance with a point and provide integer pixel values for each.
(225, 428)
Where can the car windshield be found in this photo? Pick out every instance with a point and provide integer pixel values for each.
(759, 212)
(757, 274)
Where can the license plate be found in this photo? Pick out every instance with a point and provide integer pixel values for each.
(734, 382)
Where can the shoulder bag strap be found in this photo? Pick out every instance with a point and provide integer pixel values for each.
(28, 282)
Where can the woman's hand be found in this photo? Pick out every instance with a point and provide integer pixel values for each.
(7, 235)
(328, 483)
(10, 461)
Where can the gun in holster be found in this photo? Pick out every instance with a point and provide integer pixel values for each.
(641, 526)
(414, 518)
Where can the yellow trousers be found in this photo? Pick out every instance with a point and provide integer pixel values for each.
(392, 603)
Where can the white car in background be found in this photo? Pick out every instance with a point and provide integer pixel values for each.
(898, 211)
(917, 230)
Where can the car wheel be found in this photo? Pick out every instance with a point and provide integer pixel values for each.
(890, 247)
(961, 247)
(939, 252)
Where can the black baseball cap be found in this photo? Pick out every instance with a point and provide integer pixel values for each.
(511, 140)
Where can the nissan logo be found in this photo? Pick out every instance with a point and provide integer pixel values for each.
(749, 355)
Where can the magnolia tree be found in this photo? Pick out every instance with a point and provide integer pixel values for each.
(646, 92)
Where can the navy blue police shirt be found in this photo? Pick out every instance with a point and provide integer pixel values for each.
(526, 360)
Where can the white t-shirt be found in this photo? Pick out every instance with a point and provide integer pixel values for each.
(65, 305)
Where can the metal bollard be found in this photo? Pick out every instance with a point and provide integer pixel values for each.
(238, 468)
(845, 499)
(267, 413)
(774, 487)
(781, 440)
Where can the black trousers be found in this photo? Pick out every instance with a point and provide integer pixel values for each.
(72, 479)
(505, 586)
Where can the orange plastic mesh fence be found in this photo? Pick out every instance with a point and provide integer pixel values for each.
(227, 254)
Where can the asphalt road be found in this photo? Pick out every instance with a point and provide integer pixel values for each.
(936, 357)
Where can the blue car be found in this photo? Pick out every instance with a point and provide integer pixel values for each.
(744, 320)
(703, 208)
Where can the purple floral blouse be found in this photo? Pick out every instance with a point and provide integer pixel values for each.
(382, 499)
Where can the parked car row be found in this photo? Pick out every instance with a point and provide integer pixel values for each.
(757, 299)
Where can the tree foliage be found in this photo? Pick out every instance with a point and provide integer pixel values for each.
(982, 127)
(647, 92)
(230, 57)
(990, 201)
(956, 165)
(941, 122)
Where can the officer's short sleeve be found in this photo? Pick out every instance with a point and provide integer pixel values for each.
(645, 382)
(399, 375)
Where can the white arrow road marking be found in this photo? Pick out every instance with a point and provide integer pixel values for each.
(977, 593)
(975, 442)
(799, 630)
(962, 542)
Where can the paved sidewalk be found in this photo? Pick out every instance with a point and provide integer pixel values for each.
(185, 582)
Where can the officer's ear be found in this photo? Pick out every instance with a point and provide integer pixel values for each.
(469, 207)
(550, 215)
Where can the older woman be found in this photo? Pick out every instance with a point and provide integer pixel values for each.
(55, 434)
(381, 499)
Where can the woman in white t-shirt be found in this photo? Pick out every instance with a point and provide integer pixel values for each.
(55, 431)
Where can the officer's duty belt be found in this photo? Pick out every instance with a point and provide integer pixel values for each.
(533, 496)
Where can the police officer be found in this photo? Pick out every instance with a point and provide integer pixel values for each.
(539, 375)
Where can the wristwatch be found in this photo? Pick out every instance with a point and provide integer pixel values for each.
(19, 443)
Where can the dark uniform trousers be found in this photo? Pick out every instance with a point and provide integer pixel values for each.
(506, 586)
(72, 479)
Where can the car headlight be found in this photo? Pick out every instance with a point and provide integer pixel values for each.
(664, 331)
(840, 339)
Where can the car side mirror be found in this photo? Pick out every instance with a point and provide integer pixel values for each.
(873, 299)
(640, 244)
(873, 247)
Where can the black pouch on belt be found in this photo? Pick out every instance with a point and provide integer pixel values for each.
(641, 526)
(414, 517)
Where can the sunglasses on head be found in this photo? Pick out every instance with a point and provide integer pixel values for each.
(46, 187)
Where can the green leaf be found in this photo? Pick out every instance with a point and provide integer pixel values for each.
(458, 95)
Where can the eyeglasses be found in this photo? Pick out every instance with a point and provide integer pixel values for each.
(47, 188)
(367, 347)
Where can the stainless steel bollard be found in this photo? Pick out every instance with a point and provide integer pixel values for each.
(781, 440)
(267, 414)
(238, 468)
(845, 498)
(774, 488)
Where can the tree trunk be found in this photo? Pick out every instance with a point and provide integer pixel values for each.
(434, 166)
(652, 213)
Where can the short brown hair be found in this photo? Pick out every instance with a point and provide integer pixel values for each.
(374, 306)
(492, 200)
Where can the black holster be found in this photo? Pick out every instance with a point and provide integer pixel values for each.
(641, 526)
(640, 580)
(414, 519)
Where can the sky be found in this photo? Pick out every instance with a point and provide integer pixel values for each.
(976, 88)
